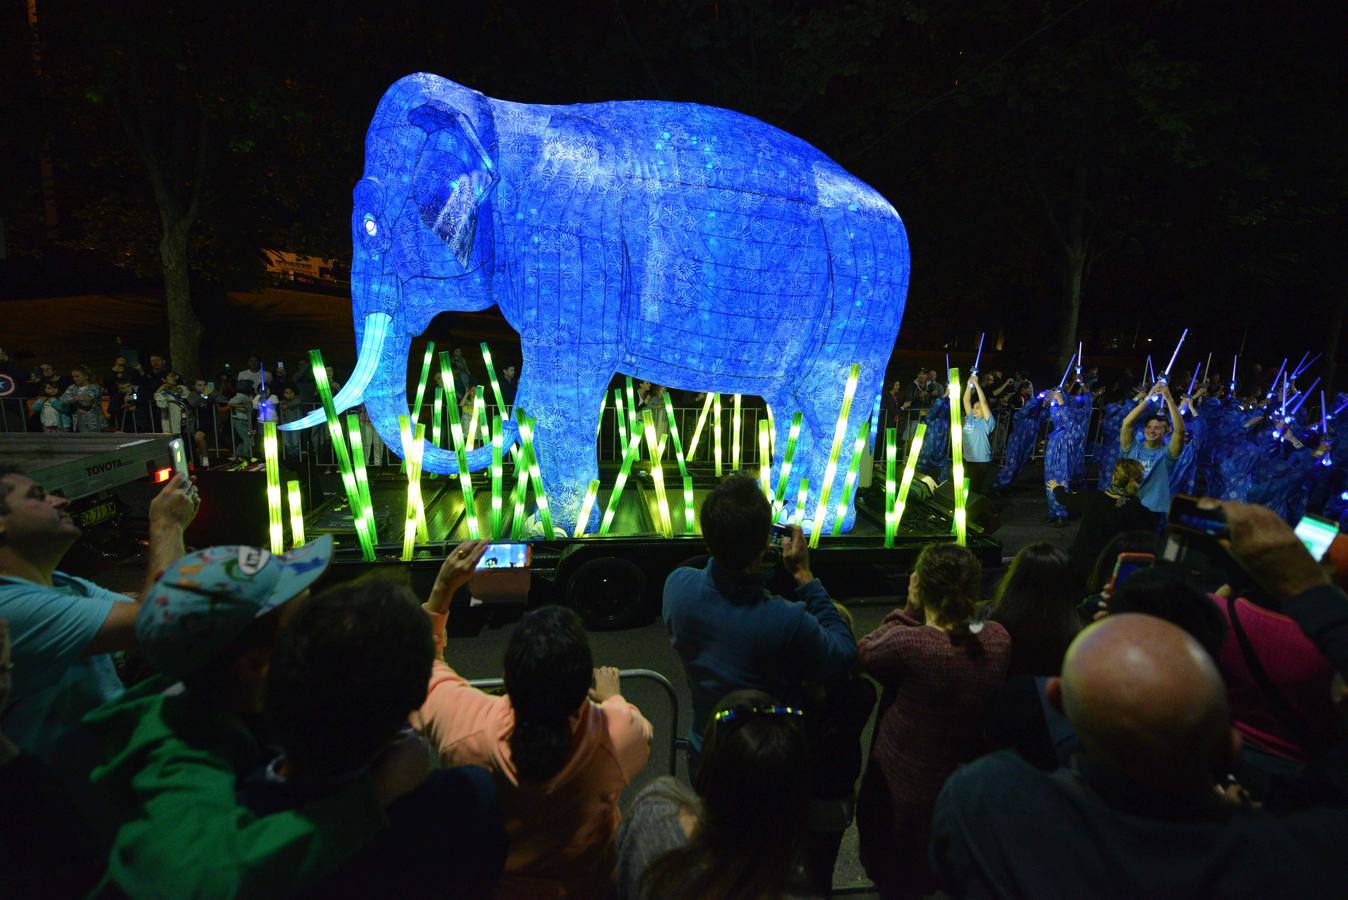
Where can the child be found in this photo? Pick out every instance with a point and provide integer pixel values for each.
(50, 411)
(241, 418)
(290, 409)
(179, 742)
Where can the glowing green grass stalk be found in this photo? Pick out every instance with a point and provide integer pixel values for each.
(491, 376)
(697, 429)
(764, 460)
(716, 425)
(736, 420)
(957, 460)
(909, 469)
(416, 510)
(678, 444)
(586, 505)
(619, 417)
(891, 452)
(535, 475)
(421, 383)
(479, 411)
(772, 429)
(275, 511)
(688, 504)
(831, 470)
(633, 420)
(518, 497)
(629, 456)
(497, 473)
(779, 495)
(460, 451)
(366, 508)
(801, 496)
(339, 448)
(436, 420)
(296, 513)
(603, 404)
(853, 471)
(657, 473)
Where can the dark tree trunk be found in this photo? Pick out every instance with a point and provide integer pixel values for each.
(183, 325)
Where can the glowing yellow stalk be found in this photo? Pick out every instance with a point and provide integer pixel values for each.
(831, 470)
(585, 507)
(701, 421)
(296, 513)
(853, 471)
(957, 460)
(909, 469)
(275, 511)
(735, 423)
(421, 383)
(716, 426)
(779, 495)
(764, 460)
(535, 475)
(497, 472)
(657, 473)
(339, 448)
(688, 504)
(801, 496)
(891, 452)
(630, 455)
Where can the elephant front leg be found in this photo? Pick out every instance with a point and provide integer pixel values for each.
(565, 404)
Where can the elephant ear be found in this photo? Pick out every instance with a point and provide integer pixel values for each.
(454, 176)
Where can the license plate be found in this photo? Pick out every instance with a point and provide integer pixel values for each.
(100, 513)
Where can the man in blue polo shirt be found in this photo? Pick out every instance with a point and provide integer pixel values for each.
(64, 628)
(1155, 452)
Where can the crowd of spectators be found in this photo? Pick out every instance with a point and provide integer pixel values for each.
(1163, 736)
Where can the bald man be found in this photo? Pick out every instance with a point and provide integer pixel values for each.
(1138, 813)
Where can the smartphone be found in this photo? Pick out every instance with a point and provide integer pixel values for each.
(1126, 565)
(1188, 518)
(1317, 534)
(779, 535)
(179, 456)
(505, 556)
(280, 365)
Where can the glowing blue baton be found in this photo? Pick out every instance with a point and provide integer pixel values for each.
(1063, 380)
(979, 356)
(1234, 359)
(1274, 386)
(1165, 376)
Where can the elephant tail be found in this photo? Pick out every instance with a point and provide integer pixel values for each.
(445, 462)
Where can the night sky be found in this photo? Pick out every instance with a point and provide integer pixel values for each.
(1185, 160)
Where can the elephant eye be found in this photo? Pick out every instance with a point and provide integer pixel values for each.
(371, 227)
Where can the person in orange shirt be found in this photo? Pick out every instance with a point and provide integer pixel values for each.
(561, 749)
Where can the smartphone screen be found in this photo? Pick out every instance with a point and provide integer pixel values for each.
(504, 556)
(1186, 515)
(179, 456)
(1127, 564)
(779, 533)
(1317, 534)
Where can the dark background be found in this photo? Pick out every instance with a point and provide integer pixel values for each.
(1163, 164)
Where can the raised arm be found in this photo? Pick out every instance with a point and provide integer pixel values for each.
(1130, 421)
(968, 396)
(986, 414)
(1176, 424)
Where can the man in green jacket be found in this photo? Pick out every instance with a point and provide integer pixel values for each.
(178, 743)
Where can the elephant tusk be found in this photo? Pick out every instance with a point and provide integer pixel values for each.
(353, 392)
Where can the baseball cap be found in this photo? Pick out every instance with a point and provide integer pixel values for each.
(206, 599)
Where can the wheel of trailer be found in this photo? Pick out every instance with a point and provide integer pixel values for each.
(609, 593)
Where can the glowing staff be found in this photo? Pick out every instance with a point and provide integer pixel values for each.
(1274, 386)
(1301, 397)
(957, 460)
(339, 448)
(491, 376)
(586, 505)
(853, 470)
(497, 474)
(1301, 369)
(1078, 369)
(802, 495)
(535, 474)
(1061, 381)
(688, 504)
(1340, 408)
(1297, 369)
(416, 510)
(716, 424)
(764, 460)
(736, 422)
(1194, 381)
(1207, 368)
(421, 383)
(657, 473)
(632, 452)
(1151, 373)
(779, 495)
(831, 470)
(296, 513)
(678, 444)
(909, 471)
(891, 451)
(460, 449)
(438, 406)
(1165, 376)
(697, 429)
(1234, 359)
(275, 512)
(619, 416)
(362, 479)
(979, 355)
(1324, 419)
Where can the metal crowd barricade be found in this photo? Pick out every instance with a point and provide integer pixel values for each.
(660, 681)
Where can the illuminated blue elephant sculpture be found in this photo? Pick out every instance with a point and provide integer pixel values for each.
(689, 246)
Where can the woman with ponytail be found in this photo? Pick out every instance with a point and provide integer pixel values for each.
(562, 744)
(938, 667)
(1105, 514)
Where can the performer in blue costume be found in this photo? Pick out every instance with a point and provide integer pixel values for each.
(1019, 444)
(935, 457)
(1079, 407)
(1184, 474)
(1057, 453)
(1107, 451)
